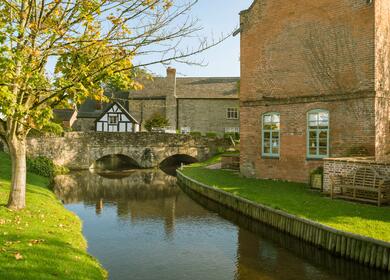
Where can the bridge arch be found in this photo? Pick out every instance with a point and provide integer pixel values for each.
(171, 163)
(114, 162)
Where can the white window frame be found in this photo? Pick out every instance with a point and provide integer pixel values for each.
(232, 130)
(272, 132)
(318, 129)
(232, 113)
(116, 116)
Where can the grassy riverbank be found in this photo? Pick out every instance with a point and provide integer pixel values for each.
(43, 241)
(297, 199)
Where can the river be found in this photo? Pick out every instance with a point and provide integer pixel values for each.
(141, 225)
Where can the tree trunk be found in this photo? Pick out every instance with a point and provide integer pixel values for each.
(17, 196)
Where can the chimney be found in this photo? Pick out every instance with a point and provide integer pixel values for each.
(171, 72)
(171, 98)
(99, 105)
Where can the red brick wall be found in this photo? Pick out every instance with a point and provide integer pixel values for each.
(279, 37)
(352, 127)
(303, 55)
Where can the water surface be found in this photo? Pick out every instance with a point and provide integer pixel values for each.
(144, 226)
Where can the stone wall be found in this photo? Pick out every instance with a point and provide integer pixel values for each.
(230, 161)
(81, 150)
(85, 124)
(143, 110)
(207, 115)
(346, 166)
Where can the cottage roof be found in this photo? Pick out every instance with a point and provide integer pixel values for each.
(189, 88)
(63, 114)
(123, 110)
(90, 108)
(158, 87)
(210, 88)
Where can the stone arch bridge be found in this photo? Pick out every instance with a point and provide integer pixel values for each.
(80, 150)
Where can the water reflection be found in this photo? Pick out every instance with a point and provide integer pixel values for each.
(145, 227)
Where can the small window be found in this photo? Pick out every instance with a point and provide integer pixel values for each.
(232, 130)
(113, 119)
(185, 130)
(318, 134)
(232, 113)
(271, 135)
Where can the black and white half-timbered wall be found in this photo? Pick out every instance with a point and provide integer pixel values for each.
(116, 118)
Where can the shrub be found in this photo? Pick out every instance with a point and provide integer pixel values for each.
(234, 135)
(45, 167)
(49, 129)
(156, 121)
(196, 133)
(211, 134)
(318, 171)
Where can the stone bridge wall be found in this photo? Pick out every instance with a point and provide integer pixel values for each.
(79, 150)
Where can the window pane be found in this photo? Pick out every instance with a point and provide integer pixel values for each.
(323, 117)
(313, 151)
(323, 151)
(275, 146)
(271, 127)
(323, 134)
(267, 119)
(275, 118)
(313, 117)
(313, 143)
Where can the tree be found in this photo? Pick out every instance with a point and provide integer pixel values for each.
(156, 121)
(89, 44)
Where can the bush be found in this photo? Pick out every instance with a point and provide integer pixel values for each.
(196, 133)
(156, 121)
(318, 171)
(211, 134)
(45, 167)
(49, 129)
(234, 135)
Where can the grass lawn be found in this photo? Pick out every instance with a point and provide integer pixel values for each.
(297, 199)
(43, 241)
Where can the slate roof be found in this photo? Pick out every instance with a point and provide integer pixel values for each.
(89, 108)
(194, 88)
(63, 114)
(212, 88)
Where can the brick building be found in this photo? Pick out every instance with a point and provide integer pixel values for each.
(314, 84)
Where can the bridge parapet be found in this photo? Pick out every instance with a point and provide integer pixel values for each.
(79, 150)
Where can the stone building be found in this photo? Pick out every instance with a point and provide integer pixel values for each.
(314, 84)
(189, 104)
(66, 117)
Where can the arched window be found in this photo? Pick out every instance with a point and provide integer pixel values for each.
(271, 135)
(317, 134)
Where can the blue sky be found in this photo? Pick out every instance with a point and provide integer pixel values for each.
(216, 16)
